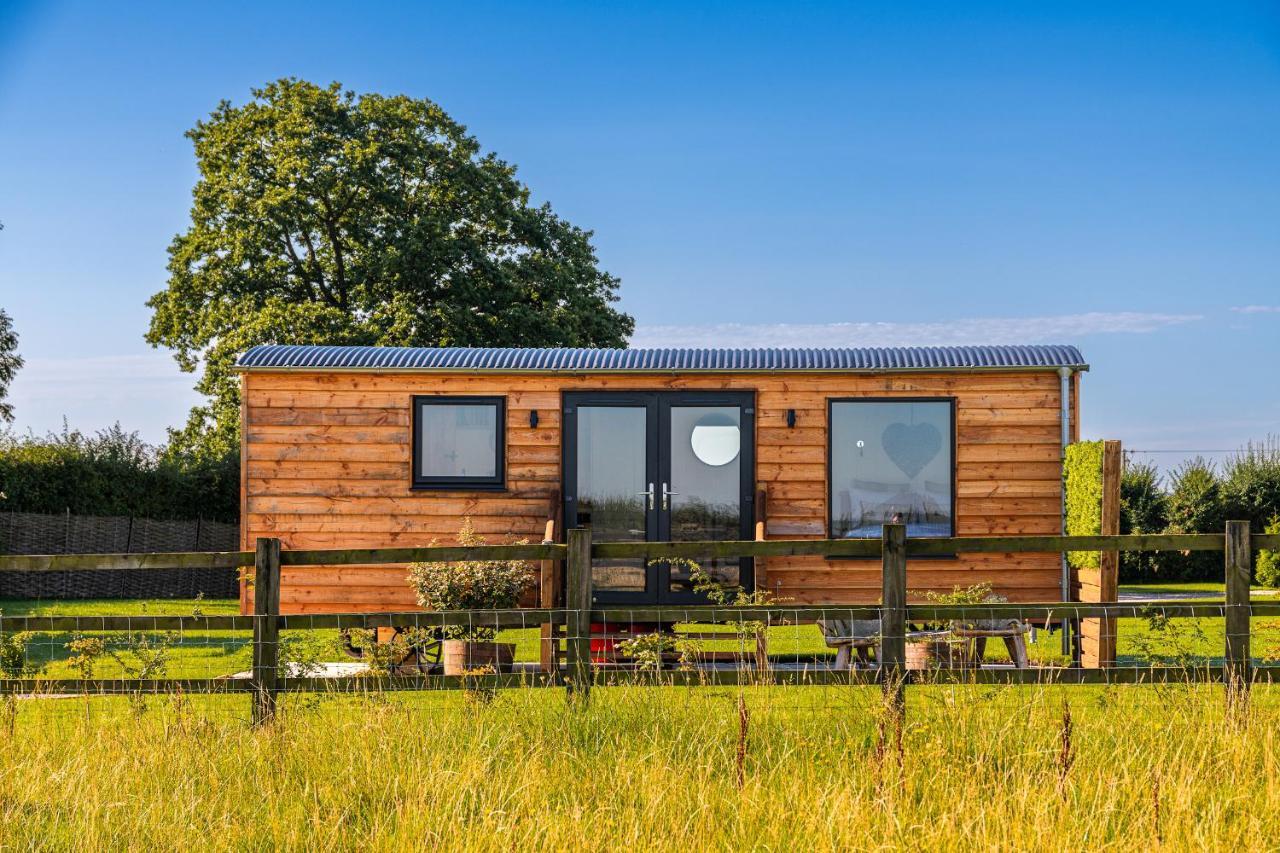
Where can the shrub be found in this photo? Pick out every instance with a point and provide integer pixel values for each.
(1194, 506)
(1268, 565)
(1251, 483)
(1082, 481)
(114, 472)
(1143, 509)
(981, 593)
(14, 660)
(648, 651)
(470, 585)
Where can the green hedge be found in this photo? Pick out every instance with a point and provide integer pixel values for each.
(1144, 508)
(114, 473)
(1082, 481)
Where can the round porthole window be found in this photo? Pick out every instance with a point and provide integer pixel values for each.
(715, 439)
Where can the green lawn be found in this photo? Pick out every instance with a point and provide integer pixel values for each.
(1176, 587)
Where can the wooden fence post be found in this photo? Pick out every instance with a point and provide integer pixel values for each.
(1098, 636)
(549, 591)
(266, 630)
(578, 603)
(1239, 569)
(893, 615)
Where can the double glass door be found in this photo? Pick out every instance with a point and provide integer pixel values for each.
(660, 466)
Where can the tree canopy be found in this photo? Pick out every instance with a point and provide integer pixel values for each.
(10, 362)
(325, 217)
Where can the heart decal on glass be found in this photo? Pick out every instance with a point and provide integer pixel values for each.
(911, 447)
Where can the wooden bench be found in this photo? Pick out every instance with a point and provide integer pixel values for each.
(847, 636)
(1014, 636)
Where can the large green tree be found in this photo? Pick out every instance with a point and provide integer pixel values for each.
(323, 217)
(10, 362)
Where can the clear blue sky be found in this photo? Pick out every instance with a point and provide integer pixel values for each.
(1100, 174)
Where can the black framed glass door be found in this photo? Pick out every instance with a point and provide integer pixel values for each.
(660, 466)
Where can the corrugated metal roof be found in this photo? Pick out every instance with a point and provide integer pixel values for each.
(550, 360)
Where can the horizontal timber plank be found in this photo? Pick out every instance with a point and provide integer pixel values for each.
(427, 525)
(768, 417)
(976, 415)
(1002, 471)
(785, 490)
(1012, 505)
(970, 433)
(1008, 525)
(788, 471)
(1046, 452)
(374, 399)
(332, 469)
(399, 596)
(785, 454)
(306, 540)
(780, 507)
(352, 417)
(329, 434)
(797, 436)
(653, 550)
(795, 527)
(112, 562)
(440, 531)
(1008, 488)
(420, 502)
(392, 453)
(424, 502)
(318, 487)
(326, 557)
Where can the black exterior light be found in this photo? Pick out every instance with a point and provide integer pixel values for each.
(533, 419)
(791, 418)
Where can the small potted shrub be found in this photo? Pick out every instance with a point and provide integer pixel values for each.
(931, 645)
(471, 585)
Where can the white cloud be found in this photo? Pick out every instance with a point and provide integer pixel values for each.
(1061, 328)
(1257, 309)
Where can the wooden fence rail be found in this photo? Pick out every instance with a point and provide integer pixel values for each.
(869, 548)
(267, 680)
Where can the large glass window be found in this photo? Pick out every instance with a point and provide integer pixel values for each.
(457, 442)
(892, 463)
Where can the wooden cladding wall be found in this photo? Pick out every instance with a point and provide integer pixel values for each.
(326, 461)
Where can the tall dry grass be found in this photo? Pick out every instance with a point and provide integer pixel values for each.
(650, 768)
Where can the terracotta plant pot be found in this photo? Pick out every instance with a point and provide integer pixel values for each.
(462, 656)
(936, 654)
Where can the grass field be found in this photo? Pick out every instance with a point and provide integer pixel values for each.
(649, 768)
(654, 767)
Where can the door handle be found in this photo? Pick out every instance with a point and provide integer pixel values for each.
(648, 492)
(666, 495)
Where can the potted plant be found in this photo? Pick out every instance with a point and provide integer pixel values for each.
(931, 645)
(471, 585)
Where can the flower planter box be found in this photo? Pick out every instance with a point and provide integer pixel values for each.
(936, 650)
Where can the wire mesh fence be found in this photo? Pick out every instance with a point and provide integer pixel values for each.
(782, 650)
(41, 533)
